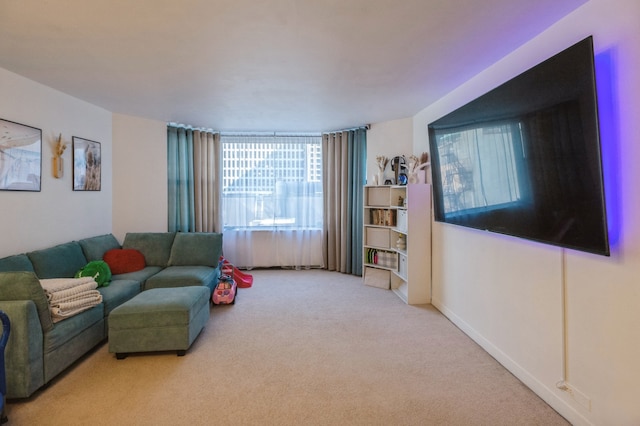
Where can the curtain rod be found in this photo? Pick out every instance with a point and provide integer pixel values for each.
(365, 127)
(274, 134)
(186, 126)
(280, 134)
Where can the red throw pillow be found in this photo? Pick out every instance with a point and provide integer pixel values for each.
(121, 261)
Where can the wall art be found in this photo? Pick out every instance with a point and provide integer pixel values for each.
(87, 164)
(20, 157)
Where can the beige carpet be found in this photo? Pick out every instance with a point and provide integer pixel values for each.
(298, 348)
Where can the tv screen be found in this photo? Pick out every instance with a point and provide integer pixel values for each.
(524, 159)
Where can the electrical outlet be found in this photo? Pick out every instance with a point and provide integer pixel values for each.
(578, 396)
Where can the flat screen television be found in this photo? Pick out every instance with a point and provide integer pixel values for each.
(524, 159)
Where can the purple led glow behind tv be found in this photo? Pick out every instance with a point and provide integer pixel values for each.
(524, 159)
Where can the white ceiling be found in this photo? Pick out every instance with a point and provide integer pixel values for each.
(264, 65)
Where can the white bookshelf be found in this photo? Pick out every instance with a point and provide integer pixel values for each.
(392, 213)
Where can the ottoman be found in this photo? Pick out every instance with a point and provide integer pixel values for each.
(159, 319)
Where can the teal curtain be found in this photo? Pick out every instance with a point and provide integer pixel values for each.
(180, 179)
(357, 160)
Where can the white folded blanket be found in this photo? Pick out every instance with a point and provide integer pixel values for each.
(70, 296)
(51, 285)
(70, 293)
(62, 310)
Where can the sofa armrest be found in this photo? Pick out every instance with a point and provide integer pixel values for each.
(24, 352)
(26, 286)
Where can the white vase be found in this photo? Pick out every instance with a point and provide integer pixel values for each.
(380, 178)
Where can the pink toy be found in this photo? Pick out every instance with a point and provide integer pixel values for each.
(226, 291)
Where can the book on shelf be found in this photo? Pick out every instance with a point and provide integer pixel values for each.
(382, 217)
(386, 259)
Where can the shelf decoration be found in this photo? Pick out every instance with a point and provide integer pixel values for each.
(382, 165)
(416, 168)
(58, 162)
(399, 165)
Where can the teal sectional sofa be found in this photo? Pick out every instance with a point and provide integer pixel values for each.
(39, 349)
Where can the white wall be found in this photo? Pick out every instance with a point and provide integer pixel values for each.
(133, 196)
(390, 139)
(507, 293)
(139, 175)
(56, 214)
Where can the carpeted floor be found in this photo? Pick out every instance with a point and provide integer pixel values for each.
(298, 348)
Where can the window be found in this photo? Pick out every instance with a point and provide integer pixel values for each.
(271, 182)
(479, 167)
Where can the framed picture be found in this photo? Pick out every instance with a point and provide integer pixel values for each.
(20, 157)
(87, 164)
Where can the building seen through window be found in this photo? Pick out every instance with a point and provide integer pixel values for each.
(272, 182)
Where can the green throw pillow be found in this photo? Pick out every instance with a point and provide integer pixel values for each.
(99, 270)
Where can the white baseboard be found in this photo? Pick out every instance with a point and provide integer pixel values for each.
(551, 396)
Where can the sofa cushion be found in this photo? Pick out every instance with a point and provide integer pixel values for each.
(118, 292)
(61, 261)
(26, 286)
(67, 330)
(122, 261)
(184, 276)
(94, 248)
(196, 249)
(139, 276)
(155, 246)
(18, 262)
